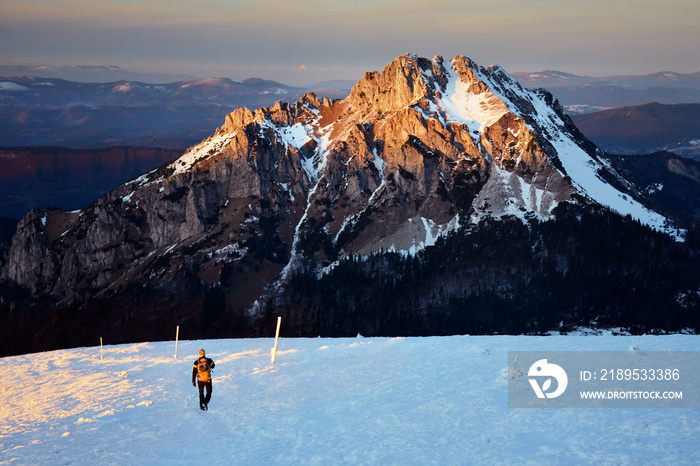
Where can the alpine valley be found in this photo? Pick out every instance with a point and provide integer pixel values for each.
(439, 197)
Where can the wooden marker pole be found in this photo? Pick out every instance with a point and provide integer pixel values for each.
(102, 353)
(177, 337)
(277, 336)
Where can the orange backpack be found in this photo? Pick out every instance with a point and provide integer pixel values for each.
(204, 370)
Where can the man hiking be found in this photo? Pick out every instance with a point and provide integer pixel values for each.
(202, 370)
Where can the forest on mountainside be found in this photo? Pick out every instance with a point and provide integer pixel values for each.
(587, 267)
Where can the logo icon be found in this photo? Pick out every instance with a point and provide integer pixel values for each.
(542, 368)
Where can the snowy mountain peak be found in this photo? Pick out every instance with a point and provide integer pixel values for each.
(536, 154)
(422, 151)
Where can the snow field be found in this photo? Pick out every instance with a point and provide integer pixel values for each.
(477, 111)
(437, 400)
(212, 145)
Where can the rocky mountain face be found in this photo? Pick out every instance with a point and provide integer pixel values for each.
(256, 219)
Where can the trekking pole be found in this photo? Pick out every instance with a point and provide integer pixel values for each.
(102, 353)
(277, 336)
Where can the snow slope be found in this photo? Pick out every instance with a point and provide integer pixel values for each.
(480, 110)
(439, 400)
(581, 167)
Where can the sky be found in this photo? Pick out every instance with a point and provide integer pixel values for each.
(306, 41)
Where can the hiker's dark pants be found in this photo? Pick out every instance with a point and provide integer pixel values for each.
(203, 400)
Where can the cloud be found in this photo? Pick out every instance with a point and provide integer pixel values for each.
(302, 67)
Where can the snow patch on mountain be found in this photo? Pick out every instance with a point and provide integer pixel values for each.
(295, 135)
(9, 86)
(433, 231)
(507, 194)
(205, 149)
(419, 233)
(379, 163)
(413, 236)
(312, 166)
(477, 111)
(123, 87)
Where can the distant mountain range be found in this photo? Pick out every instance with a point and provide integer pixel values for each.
(90, 73)
(50, 111)
(645, 129)
(37, 177)
(55, 106)
(629, 114)
(585, 94)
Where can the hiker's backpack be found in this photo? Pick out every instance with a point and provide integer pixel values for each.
(204, 370)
